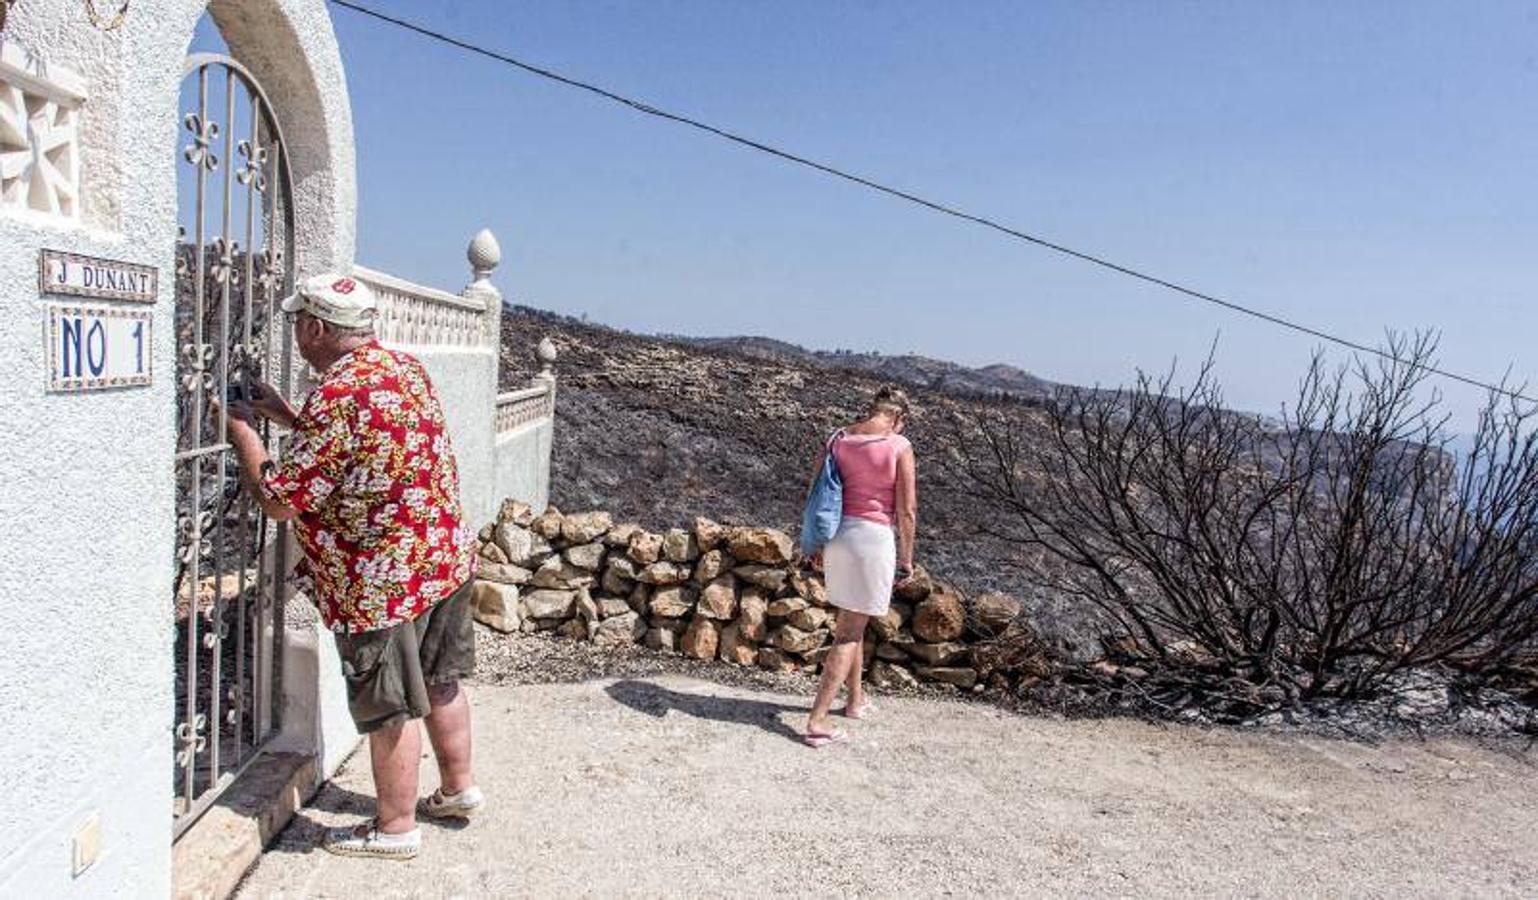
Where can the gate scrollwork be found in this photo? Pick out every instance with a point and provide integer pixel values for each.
(236, 232)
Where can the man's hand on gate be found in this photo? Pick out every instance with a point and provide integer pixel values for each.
(269, 403)
(250, 454)
(238, 412)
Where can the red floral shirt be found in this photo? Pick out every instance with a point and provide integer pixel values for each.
(371, 473)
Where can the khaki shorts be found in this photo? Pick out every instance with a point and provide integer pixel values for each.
(388, 671)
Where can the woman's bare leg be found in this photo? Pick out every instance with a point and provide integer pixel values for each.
(854, 684)
(835, 668)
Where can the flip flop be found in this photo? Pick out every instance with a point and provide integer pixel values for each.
(821, 739)
(859, 712)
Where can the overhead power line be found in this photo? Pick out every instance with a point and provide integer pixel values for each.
(936, 206)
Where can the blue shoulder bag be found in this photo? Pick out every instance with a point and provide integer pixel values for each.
(825, 504)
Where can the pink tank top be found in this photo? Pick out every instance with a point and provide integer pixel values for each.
(868, 466)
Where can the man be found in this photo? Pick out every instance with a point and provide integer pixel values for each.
(369, 480)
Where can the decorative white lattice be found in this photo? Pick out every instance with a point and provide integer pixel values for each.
(417, 316)
(39, 136)
(516, 409)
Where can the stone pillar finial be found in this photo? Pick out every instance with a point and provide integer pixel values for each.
(484, 254)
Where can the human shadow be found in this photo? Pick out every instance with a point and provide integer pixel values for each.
(655, 700)
(303, 832)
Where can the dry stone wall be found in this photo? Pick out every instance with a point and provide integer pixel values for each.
(739, 594)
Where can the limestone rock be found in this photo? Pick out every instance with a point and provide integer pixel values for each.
(549, 624)
(515, 542)
(495, 606)
(614, 583)
(719, 599)
(885, 627)
(886, 675)
(613, 607)
(672, 602)
(586, 607)
(904, 642)
(586, 556)
(658, 639)
(521, 547)
(539, 551)
(584, 528)
(810, 587)
(679, 546)
(917, 588)
(766, 577)
(735, 648)
(624, 567)
(767, 546)
(944, 654)
(640, 599)
(810, 619)
(665, 573)
(645, 547)
(515, 512)
(484, 536)
(708, 534)
(619, 536)
(626, 628)
(502, 573)
(994, 612)
(815, 657)
(785, 607)
(712, 565)
(775, 660)
(793, 640)
(960, 677)
(576, 629)
(939, 618)
(890, 652)
(548, 604)
(490, 552)
(702, 639)
(558, 574)
(752, 608)
(548, 525)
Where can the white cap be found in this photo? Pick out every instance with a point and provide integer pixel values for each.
(338, 299)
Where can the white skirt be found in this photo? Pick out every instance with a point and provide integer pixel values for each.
(860, 564)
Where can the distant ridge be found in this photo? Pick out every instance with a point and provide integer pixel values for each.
(909, 369)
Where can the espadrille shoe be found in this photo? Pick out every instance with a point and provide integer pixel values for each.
(365, 839)
(462, 805)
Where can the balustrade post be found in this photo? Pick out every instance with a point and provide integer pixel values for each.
(546, 354)
(485, 254)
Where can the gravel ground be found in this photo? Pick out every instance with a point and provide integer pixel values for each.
(636, 782)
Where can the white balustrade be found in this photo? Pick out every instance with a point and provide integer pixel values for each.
(414, 315)
(516, 409)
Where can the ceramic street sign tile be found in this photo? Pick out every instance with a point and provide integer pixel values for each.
(89, 276)
(90, 348)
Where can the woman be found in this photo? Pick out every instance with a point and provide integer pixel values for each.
(863, 559)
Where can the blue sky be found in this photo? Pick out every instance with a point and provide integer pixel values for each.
(1356, 166)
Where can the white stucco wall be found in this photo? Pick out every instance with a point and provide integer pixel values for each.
(466, 382)
(87, 516)
(523, 465)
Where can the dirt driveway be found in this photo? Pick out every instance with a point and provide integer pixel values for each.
(673, 787)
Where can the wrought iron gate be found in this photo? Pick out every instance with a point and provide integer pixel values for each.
(236, 238)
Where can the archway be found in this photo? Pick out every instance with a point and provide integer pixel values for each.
(257, 207)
